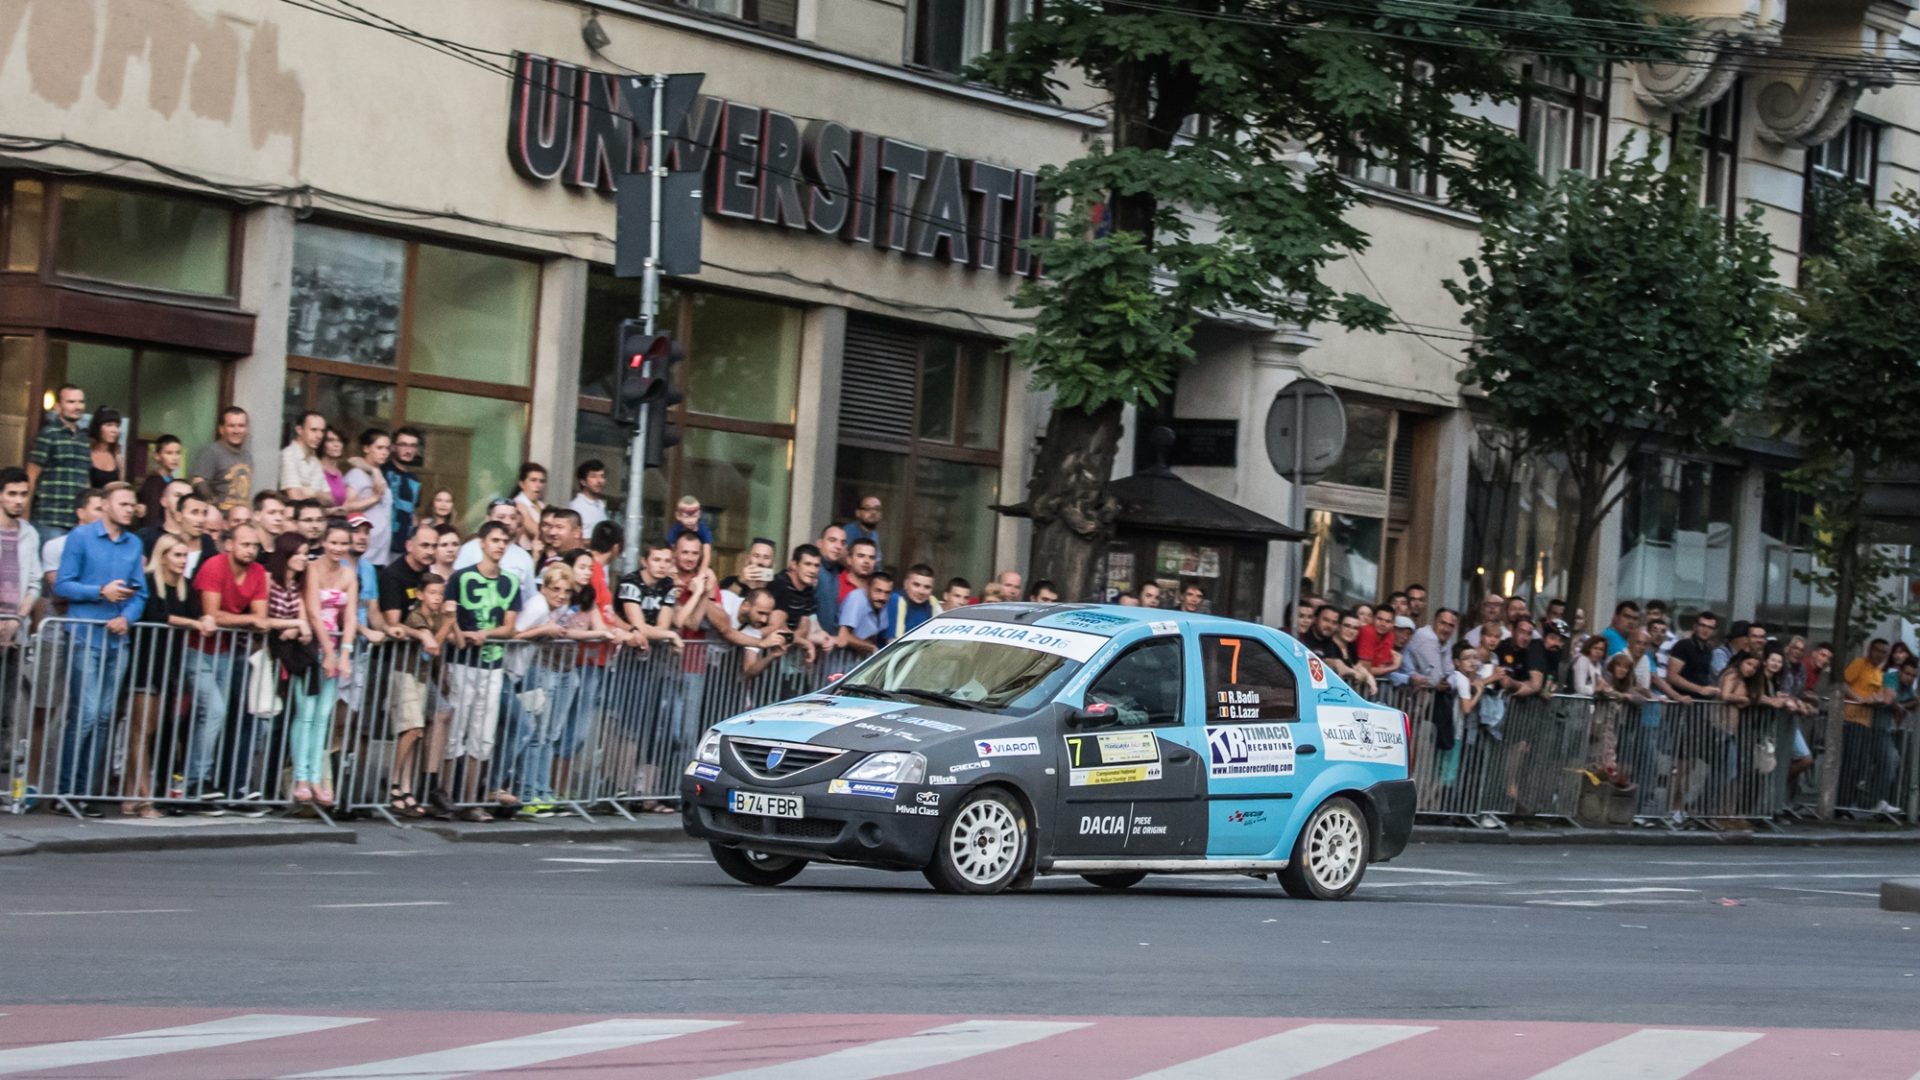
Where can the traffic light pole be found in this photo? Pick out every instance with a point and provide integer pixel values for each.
(649, 309)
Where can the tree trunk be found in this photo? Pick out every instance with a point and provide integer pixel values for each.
(1846, 568)
(1578, 592)
(1072, 512)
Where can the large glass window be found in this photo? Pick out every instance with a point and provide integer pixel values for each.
(158, 392)
(920, 419)
(1143, 686)
(1246, 683)
(1676, 537)
(1519, 521)
(438, 338)
(1413, 176)
(1716, 132)
(16, 390)
(1563, 120)
(741, 378)
(25, 208)
(775, 16)
(947, 35)
(1840, 173)
(1343, 558)
(145, 240)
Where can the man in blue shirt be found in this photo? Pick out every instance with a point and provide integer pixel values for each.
(860, 615)
(911, 606)
(104, 583)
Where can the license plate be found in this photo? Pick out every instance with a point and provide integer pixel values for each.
(754, 802)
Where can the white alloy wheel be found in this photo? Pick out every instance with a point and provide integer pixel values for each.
(1331, 854)
(982, 846)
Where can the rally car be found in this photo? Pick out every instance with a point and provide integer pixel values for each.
(1001, 741)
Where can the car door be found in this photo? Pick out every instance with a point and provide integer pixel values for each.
(1132, 786)
(1255, 743)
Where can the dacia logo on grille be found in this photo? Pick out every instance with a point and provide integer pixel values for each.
(775, 756)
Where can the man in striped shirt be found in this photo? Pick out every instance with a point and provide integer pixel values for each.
(57, 464)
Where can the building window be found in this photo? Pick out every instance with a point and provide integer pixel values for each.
(1563, 120)
(1407, 176)
(384, 331)
(776, 16)
(158, 391)
(1519, 521)
(1354, 510)
(135, 238)
(1716, 133)
(947, 35)
(920, 418)
(741, 379)
(1343, 557)
(1840, 173)
(1676, 533)
(1787, 604)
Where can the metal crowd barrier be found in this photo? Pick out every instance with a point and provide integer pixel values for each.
(1600, 761)
(1877, 765)
(179, 720)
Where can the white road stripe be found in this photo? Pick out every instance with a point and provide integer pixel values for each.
(1829, 892)
(1604, 903)
(1290, 1053)
(1419, 870)
(523, 1052)
(610, 861)
(1641, 889)
(390, 903)
(173, 1040)
(1428, 884)
(924, 1050)
(124, 911)
(1650, 1054)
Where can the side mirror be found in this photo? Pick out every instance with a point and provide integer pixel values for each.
(1091, 715)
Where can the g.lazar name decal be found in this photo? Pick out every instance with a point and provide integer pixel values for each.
(568, 123)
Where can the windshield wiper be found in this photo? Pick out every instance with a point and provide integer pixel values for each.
(863, 690)
(938, 698)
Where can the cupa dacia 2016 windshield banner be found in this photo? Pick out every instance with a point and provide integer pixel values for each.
(761, 165)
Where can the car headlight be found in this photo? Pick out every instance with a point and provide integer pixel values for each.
(894, 766)
(709, 750)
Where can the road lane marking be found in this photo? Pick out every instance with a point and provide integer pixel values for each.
(522, 1052)
(1640, 889)
(910, 1053)
(391, 903)
(1419, 870)
(603, 861)
(1431, 884)
(1651, 1054)
(1602, 903)
(1291, 1053)
(173, 1040)
(1829, 892)
(120, 911)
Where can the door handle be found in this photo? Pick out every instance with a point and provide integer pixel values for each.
(1307, 748)
(1179, 755)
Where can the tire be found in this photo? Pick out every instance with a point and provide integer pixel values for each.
(1332, 853)
(983, 845)
(1116, 882)
(754, 868)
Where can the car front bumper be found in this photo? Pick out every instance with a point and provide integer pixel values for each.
(897, 833)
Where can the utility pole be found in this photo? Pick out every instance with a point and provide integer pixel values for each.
(649, 309)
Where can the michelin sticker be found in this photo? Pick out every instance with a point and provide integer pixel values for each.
(700, 770)
(1071, 644)
(1377, 738)
(862, 787)
(1239, 750)
(992, 748)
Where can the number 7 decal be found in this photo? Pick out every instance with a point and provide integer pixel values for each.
(1233, 667)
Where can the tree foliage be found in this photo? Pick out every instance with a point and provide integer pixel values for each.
(1609, 311)
(1849, 392)
(1238, 212)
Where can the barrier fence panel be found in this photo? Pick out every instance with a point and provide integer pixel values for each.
(16, 720)
(1873, 759)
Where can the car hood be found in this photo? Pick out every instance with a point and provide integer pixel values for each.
(857, 723)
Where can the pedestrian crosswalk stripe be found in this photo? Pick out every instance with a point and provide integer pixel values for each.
(522, 1052)
(1650, 1054)
(173, 1040)
(891, 1057)
(1291, 1053)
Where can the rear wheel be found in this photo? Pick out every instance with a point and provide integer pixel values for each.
(1331, 854)
(755, 867)
(1116, 881)
(983, 845)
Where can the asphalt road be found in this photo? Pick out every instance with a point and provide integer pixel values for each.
(1630, 935)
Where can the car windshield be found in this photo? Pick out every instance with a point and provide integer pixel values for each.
(964, 674)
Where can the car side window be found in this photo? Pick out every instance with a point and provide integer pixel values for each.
(1143, 685)
(1246, 683)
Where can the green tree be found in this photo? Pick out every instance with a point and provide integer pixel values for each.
(1216, 190)
(1849, 393)
(1609, 312)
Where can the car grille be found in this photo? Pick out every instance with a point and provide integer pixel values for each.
(794, 758)
(785, 828)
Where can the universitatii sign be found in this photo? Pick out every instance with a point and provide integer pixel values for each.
(570, 125)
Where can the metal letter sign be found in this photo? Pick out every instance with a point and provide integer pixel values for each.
(1306, 430)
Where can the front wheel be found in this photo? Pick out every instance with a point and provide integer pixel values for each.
(754, 867)
(983, 845)
(1116, 881)
(1331, 854)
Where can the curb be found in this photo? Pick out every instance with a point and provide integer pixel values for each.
(1658, 838)
(510, 832)
(1900, 895)
(156, 840)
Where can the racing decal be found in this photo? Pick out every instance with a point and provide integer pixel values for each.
(927, 798)
(862, 787)
(967, 765)
(877, 730)
(1072, 644)
(813, 710)
(1365, 735)
(940, 726)
(1119, 774)
(1121, 826)
(1024, 747)
(1240, 750)
(1246, 817)
(1103, 824)
(938, 780)
(1121, 748)
(1161, 629)
(1317, 672)
(1098, 622)
(700, 770)
(922, 811)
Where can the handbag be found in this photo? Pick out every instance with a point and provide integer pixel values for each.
(1765, 757)
(533, 702)
(263, 688)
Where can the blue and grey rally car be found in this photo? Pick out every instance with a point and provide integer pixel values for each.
(1001, 741)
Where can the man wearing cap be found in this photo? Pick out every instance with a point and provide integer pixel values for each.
(372, 623)
(1554, 636)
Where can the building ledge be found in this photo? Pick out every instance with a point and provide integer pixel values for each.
(815, 54)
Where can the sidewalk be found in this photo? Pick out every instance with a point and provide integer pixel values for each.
(28, 834)
(1796, 835)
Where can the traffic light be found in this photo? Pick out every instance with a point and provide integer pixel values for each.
(662, 435)
(634, 381)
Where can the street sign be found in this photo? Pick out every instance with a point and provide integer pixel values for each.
(680, 218)
(1306, 430)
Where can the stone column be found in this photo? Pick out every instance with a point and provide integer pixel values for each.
(1749, 555)
(1452, 439)
(266, 290)
(556, 373)
(816, 424)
